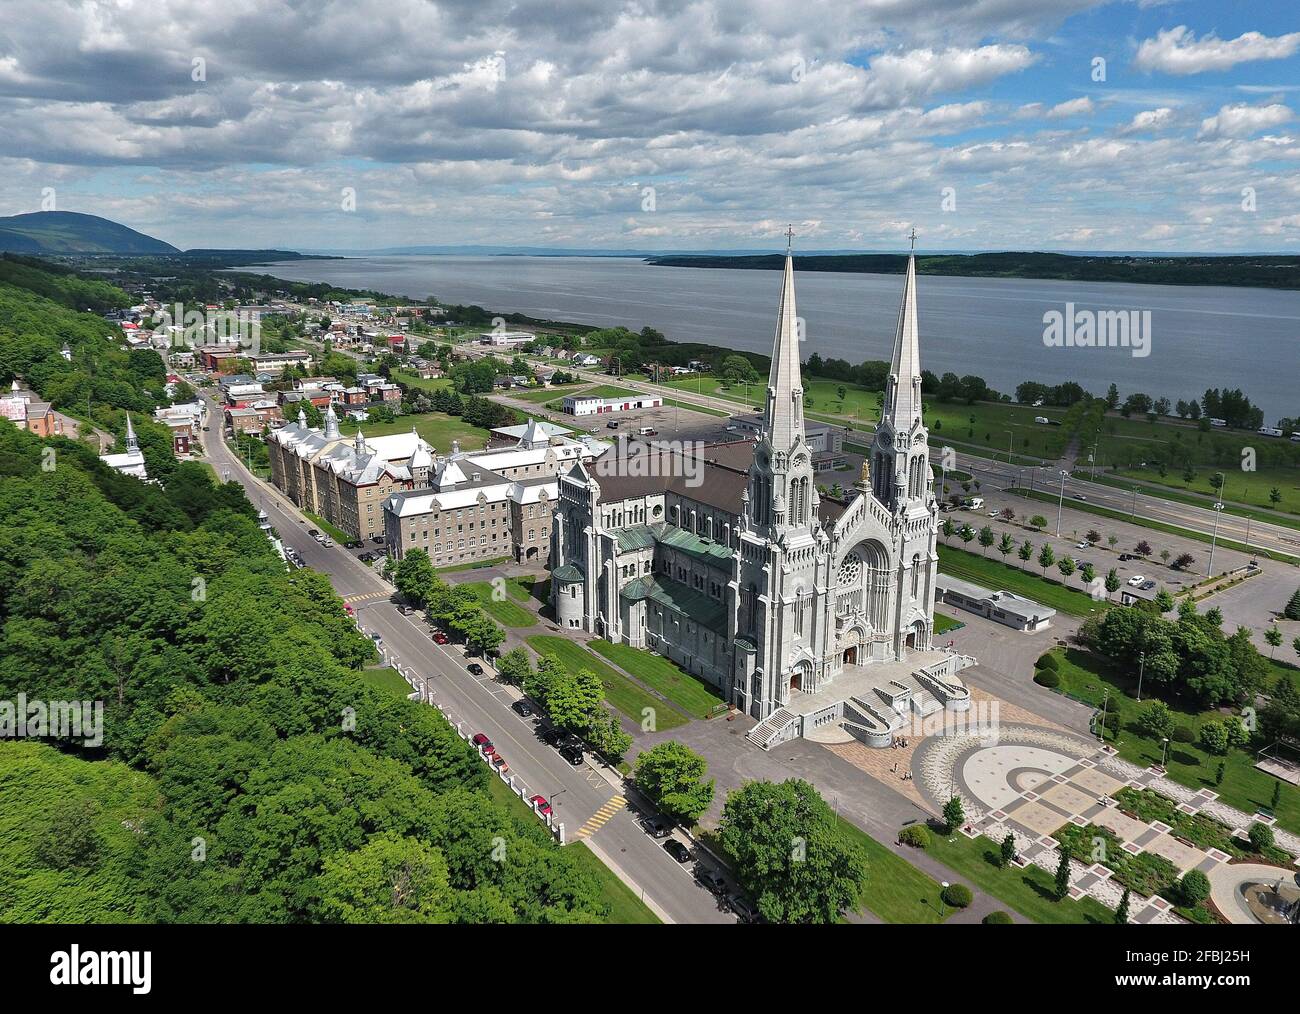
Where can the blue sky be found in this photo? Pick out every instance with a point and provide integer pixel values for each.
(653, 125)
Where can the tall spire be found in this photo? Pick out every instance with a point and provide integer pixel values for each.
(331, 423)
(132, 444)
(902, 407)
(783, 418)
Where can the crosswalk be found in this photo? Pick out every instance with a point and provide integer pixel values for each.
(601, 817)
(353, 599)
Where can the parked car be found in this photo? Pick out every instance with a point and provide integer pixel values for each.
(474, 669)
(711, 879)
(499, 763)
(523, 709)
(439, 637)
(1136, 581)
(481, 742)
(313, 532)
(1148, 585)
(677, 850)
(1081, 545)
(327, 542)
(406, 610)
(378, 540)
(655, 826)
(1126, 556)
(743, 909)
(551, 736)
(543, 807)
(354, 544)
(572, 753)
(612, 424)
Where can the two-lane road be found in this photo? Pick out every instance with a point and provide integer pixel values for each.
(588, 801)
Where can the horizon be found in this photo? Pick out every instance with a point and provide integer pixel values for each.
(1071, 126)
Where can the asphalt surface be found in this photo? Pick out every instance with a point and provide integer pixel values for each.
(588, 801)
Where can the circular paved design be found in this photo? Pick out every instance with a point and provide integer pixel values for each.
(991, 774)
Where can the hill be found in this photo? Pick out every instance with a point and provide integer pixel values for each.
(1273, 272)
(69, 232)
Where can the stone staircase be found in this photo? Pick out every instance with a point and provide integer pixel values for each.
(771, 731)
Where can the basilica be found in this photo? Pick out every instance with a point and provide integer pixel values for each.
(814, 615)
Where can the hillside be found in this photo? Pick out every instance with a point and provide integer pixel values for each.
(1273, 272)
(69, 232)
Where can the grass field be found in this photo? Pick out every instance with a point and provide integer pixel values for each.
(625, 908)
(895, 890)
(693, 696)
(503, 611)
(996, 575)
(475, 565)
(943, 624)
(337, 534)
(385, 679)
(1028, 890)
(412, 380)
(620, 691)
(1190, 495)
(1088, 677)
(437, 429)
(545, 394)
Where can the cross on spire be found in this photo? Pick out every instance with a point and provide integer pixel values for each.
(789, 238)
(913, 239)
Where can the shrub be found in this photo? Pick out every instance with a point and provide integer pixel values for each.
(1047, 678)
(1048, 661)
(957, 895)
(916, 835)
(1183, 734)
(997, 918)
(1261, 836)
(1194, 888)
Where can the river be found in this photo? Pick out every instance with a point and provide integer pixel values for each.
(1201, 336)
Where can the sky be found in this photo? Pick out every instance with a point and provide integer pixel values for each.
(984, 124)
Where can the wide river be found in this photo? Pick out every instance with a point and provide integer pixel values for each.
(1201, 336)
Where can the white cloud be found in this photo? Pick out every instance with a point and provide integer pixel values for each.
(1243, 120)
(1178, 51)
(1074, 107)
(1150, 120)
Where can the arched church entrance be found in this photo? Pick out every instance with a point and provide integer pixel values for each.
(851, 655)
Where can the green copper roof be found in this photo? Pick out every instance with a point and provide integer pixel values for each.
(632, 539)
(702, 549)
(687, 602)
(568, 574)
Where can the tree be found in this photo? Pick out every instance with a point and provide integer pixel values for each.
(1219, 772)
(1274, 497)
(1156, 721)
(1143, 548)
(414, 577)
(1112, 540)
(1273, 638)
(482, 635)
(954, 814)
(1112, 581)
(1026, 551)
(513, 667)
(1292, 610)
(1164, 600)
(1087, 573)
(737, 369)
(1006, 545)
(947, 528)
(1214, 738)
(672, 777)
(1062, 884)
(390, 879)
(1007, 851)
(1038, 522)
(1121, 910)
(966, 533)
(1046, 557)
(986, 539)
(1093, 536)
(790, 854)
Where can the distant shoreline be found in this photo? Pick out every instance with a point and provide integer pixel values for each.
(1264, 271)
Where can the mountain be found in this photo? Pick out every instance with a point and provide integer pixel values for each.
(67, 232)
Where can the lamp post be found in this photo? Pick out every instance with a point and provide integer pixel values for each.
(1105, 703)
(1060, 502)
(1218, 509)
(942, 910)
(1164, 753)
(1142, 664)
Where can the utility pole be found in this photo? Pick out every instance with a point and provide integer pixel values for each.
(1218, 509)
(1060, 502)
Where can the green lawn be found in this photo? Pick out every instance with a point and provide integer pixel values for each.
(1088, 677)
(620, 691)
(624, 906)
(411, 379)
(1028, 890)
(337, 534)
(943, 624)
(545, 394)
(1201, 494)
(476, 564)
(895, 890)
(437, 428)
(385, 679)
(992, 573)
(692, 695)
(503, 611)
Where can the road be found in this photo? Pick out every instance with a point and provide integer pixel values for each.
(588, 801)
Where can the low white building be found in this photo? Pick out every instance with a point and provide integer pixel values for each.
(506, 339)
(583, 404)
(1003, 607)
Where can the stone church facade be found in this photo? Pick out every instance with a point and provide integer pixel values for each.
(804, 611)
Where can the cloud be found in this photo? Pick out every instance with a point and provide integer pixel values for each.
(1243, 120)
(1150, 120)
(1178, 51)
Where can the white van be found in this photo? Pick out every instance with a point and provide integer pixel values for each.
(975, 503)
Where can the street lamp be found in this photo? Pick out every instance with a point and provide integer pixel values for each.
(1011, 442)
(1164, 754)
(1105, 703)
(1142, 664)
(944, 885)
(1218, 509)
(1060, 501)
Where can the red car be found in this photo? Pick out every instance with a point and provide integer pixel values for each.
(543, 807)
(481, 742)
(439, 637)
